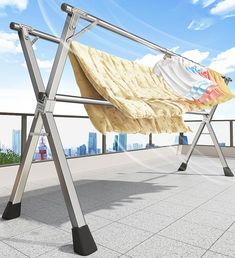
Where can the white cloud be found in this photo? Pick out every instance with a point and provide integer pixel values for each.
(228, 16)
(196, 55)
(150, 59)
(223, 7)
(18, 4)
(43, 64)
(201, 24)
(207, 3)
(9, 43)
(224, 62)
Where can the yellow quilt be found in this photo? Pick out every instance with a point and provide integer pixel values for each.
(143, 102)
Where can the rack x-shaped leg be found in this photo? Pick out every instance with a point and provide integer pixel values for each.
(207, 122)
(82, 239)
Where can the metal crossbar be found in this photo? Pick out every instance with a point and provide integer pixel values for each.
(83, 241)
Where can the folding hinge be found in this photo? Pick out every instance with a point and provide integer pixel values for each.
(44, 104)
(26, 30)
(206, 118)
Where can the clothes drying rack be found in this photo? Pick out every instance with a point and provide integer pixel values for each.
(83, 241)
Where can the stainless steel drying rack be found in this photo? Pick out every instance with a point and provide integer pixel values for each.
(46, 97)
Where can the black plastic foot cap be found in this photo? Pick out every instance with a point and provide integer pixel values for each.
(83, 242)
(182, 167)
(12, 211)
(228, 172)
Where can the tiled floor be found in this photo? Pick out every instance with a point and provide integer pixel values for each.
(141, 209)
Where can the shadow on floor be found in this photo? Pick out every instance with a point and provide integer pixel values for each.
(47, 205)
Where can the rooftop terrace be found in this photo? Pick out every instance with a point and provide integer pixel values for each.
(135, 203)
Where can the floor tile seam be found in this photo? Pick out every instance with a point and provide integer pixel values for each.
(92, 231)
(43, 222)
(52, 247)
(15, 249)
(162, 175)
(157, 177)
(216, 253)
(123, 224)
(51, 250)
(138, 244)
(219, 213)
(118, 220)
(209, 249)
(157, 234)
(137, 228)
(180, 241)
(121, 253)
(103, 226)
(194, 209)
(8, 238)
(202, 224)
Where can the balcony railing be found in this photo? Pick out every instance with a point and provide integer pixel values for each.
(24, 119)
(229, 123)
(150, 141)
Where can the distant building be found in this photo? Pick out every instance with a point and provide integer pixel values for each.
(92, 143)
(66, 152)
(115, 143)
(16, 141)
(122, 142)
(42, 154)
(137, 146)
(81, 150)
(222, 144)
(184, 140)
(129, 147)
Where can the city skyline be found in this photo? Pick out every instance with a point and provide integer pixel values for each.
(43, 151)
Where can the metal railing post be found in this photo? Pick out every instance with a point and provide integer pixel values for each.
(150, 139)
(23, 132)
(181, 139)
(231, 133)
(103, 143)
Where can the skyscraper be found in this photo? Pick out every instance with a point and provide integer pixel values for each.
(16, 141)
(81, 151)
(115, 143)
(122, 142)
(92, 143)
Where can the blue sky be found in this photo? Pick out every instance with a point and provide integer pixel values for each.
(200, 29)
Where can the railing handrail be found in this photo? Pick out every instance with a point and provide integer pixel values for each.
(213, 120)
(79, 116)
(32, 114)
(25, 115)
